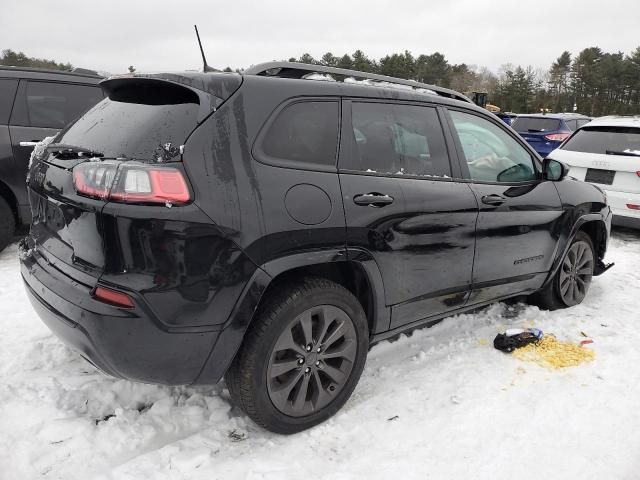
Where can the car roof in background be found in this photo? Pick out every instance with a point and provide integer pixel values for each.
(559, 116)
(80, 75)
(615, 121)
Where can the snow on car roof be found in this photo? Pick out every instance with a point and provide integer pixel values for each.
(615, 121)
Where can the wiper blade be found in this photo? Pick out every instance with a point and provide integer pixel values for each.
(534, 130)
(65, 148)
(627, 153)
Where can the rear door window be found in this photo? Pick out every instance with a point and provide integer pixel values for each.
(7, 93)
(535, 124)
(398, 139)
(303, 133)
(605, 140)
(492, 155)
(52, 105)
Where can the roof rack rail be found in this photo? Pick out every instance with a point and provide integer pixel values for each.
(300, 70)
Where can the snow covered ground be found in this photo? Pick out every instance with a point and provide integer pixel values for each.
(439, 404)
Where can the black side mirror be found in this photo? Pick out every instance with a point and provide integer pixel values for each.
(554, 170)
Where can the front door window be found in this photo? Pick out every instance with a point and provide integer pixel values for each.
(492, 155)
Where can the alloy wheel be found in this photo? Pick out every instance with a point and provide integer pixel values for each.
(576, 272)
(311, 360)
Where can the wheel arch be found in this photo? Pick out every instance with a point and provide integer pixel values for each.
(354, 270)
(357, 272)
(593, 225)
(597, 231)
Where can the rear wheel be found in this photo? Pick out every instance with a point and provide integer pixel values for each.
(302, 358)
(7, 224)
(571, 282)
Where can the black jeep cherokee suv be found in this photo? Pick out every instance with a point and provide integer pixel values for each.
(269, 227)
(34, 104)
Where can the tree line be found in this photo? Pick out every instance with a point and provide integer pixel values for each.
(20, 59)
(592, 82)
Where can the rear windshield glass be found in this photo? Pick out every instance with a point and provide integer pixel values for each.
(605, 140)
(535, 124)
(137, 121)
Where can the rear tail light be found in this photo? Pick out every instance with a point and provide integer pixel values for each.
(633, 206)
(113, 297)
(638, 173)
(556, 137)
(131, 183)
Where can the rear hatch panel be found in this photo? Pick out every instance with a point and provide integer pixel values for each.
(534, 130)
(606, 155)
(142, 121)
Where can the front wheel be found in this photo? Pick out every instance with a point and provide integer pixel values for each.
(571, 282)
(302, 357)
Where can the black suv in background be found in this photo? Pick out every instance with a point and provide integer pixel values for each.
(34, 104)
(269, 227)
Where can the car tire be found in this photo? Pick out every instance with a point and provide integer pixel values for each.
(301, 357)
(7, 224)
(571, 282)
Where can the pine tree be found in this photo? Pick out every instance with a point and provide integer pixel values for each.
(559, 82)
(362, 63)
(345, 62)
(329, 60)
(307, 58)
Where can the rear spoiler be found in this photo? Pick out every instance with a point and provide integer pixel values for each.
(208, 90)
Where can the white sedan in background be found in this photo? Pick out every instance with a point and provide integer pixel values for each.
(606, 152)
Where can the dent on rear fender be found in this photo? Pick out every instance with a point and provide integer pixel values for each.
(190, 274)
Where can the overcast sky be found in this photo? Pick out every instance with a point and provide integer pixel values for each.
(158, 35)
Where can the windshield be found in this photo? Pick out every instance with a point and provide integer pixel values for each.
(535, 124)
(605, 140)
(149, 124)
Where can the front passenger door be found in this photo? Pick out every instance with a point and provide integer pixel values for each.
(517, 229)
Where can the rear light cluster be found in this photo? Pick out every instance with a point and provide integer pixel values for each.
(556, 137)
(131, 183)
(633, 206)
(113, 297)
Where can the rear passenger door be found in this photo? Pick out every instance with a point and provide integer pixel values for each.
(404, 208)
(517, 229)
(42, 109)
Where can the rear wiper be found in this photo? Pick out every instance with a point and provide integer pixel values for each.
(627, 153)
(537, 130)
(80, 151)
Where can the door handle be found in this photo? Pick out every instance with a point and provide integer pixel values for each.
(373, 200)
(32, 143)
(493, 199)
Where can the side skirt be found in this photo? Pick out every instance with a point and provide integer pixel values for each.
(431, 321)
